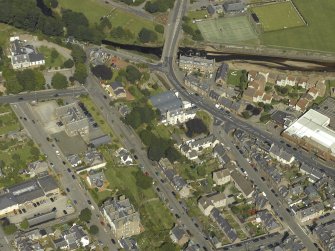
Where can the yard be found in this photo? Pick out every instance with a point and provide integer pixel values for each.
(95, 10)
(317, 35)
(234, 77)
(233, 30)
(278, 16)
(52, 59)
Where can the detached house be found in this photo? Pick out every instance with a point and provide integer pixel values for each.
(179, 236)
(221, 177)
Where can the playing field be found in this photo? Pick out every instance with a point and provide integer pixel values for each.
(227, 30)
(317, 35)
(278, 16)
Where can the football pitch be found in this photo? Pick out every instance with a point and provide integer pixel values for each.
(227, 30)
(278, 16)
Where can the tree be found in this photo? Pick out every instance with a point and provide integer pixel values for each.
(85, 215)
(246, 114)
(155, 152)
(24, 224)
(34, 151)
(159, 28)
(94, 230)
(167, 246)
(172, 154)
(9, 229)
(265, 117)
(146, 35)
(53, 4)
(12, 85)
(120, 33)
(102, 71)
(78, 54)
(132, 74)
(54, 54)
(195, 126)
(134, 119)
(68, 63)
(59, 81)
(80, 73)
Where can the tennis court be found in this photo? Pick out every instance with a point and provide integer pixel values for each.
(227, 30)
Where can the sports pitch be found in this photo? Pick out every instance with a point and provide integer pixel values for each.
(227, 30)
(278, 16)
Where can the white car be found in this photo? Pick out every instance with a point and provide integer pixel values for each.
(57, 152)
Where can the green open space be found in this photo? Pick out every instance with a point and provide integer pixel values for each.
(95, 10)
(228, 30)
(49, 60)
(8, 120)
(317, 35)
(278, 16)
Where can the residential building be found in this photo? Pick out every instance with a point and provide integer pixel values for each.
(73, 119)
(23, 55)
(72, 239)
(284, 81)
(310, 212)
(197, 64)
(220, 153)
(37, 167)
(192, 148)
(122, 217)
(311, 132)
(96, 179)
(325, 233)
(242, 184)
(179, 236)
(178, 183)
(74, 160)
(267, 219)
(313, 174)
(223, 224)
(302, 104)
(210, 201)
(281, 155)
(116, 90)
(27, 193)
(196, 84)
(93, 160)
(221, 177)
(125, 156)
(221, 74)
(129, 244)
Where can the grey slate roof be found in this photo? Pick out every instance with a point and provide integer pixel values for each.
(105, 139)
(166, 101)
(233, 6)
(223, 224)
(222, 72)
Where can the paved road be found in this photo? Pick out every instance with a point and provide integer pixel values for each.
(42, 95)
(132, 141)
(130, 9)
(77, 191)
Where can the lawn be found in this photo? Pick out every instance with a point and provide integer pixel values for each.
(95, 10)
(317, 35)
(234, 77)
(5, 31)
(228, 30)
(49, 61)
(278, 16)
(198, 14)
(8, 120)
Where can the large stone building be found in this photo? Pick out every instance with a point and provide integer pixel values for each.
(197, 64)
(74, 120)
(122, 217)
(23, 55)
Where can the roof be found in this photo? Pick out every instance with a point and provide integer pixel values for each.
(37, 220)
(105, 139)
(313, 126)
(47, 183)
(222, 72)
(243, 183)
(223, 224)
(221, 173)
(166, 101)
(178, 232)
(116, 85)
(233, 6)
(35, 57)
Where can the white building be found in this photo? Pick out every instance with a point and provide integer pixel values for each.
(313, 126)
(281, 155)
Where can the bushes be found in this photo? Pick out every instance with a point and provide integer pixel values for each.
(132, 74)
(146, 36)
(159, 28)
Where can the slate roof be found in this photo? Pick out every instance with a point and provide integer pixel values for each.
(222, 72)
(166, 101)
(233, 6)
(223, 224)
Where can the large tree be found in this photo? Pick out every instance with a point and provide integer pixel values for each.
(146, 35)
(59, 81)
(78, 54)
(102, 71)
(85, 215)
(132, 74)
(80, 73)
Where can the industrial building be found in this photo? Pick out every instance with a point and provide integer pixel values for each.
(311, 132)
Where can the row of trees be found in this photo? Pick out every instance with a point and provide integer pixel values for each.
(145, 35)
(187, 28)
(154, 6)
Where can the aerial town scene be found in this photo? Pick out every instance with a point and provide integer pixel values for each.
(167, 125)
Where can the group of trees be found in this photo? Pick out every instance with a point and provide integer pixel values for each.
(140, 115)
(187, 28)
(102, 71)
(122, 34)
(154, 6)
(79, 58)
(159, 147)
(132, 74)
(59, 81)
(146, 35)
(26, 80)
(26, 15)
(195, 126)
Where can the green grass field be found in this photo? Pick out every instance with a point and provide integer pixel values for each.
(278, 16)
(227, 30)
(49, 62)
(94, 10)
(317, 35)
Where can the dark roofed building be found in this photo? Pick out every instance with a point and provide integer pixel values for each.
(166, 101)
(231, 7)
(223, 224)
(105, 139)
(221, 74)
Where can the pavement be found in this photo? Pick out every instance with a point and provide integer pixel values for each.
(77, 191)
